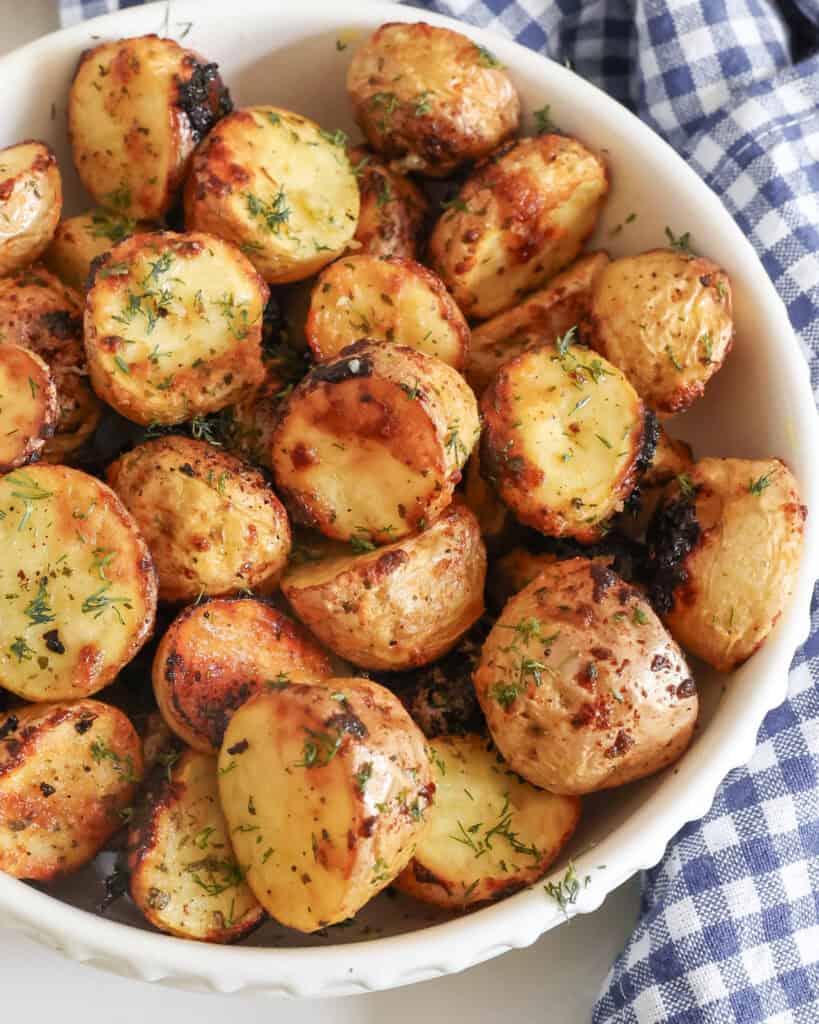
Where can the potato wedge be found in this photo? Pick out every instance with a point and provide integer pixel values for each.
(79, 240)
(490, 833)
(66, 772)
(399, 606)
(213, 525)
(326, 790)
(184, 876)
(392, 208)
(372, 444)
(31, 198)
(28, 406)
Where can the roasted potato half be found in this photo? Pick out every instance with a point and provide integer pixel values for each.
(665, 319)
(582, 687)
(521, 217)
(278, 186)
(392, 208)
(173, 326)
(565, 440)
(326, 790)
(726, 543)
(216, 655)
(490, 833)
(430, 98)
(372, 443)
(398, 606)
(494, 517)
(79, 240)
(28, 406)
(213, 525)
(136, 110)
(184, 876)
(78, 584)
(66, 772)
(31, 199)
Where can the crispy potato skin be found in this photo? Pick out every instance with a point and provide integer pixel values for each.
(272, 182)
(213, 525)
(386, 299)
(543, 316)
(137, 109)
(522, 216)
(372, 444)
(180, 854)
(392, 208)
(31, 198)
(216, 655)
(665, 318)
(616, 701)
(460, 861)
(430, 98)
(399, 606)
(79, 240)
(66, 770)
(38, 312)
(28, 406)
(727, 556)
(341, 784)
(78, 580)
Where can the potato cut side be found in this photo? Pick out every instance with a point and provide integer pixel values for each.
(173, 326)
(216, 655)
(28, 406)
(388, 300)
(490, 833)
(31, 198)
(184, 875)
(68, 771)
(77, 581)
(392, 208)
(326, 790)
(79, 240)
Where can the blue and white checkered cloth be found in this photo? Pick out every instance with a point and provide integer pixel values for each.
(729, 930)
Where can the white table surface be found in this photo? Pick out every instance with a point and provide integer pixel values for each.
(553, 982)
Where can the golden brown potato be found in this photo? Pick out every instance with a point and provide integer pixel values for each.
(665, 319)
(726, 542)
(278, 186)
(249, 424)
(31, 198)
(28, 406)
(326, 790)
(430, 97)
(392, 208)
(184, 876)
(494, 518)
(38, 312)
(564, 441)
(385, 299)
(490, 833)
(372, 444)
(582, 687)
(66, 772)
(173, 326)
(136, 110)
(520, 218)
(216, 655)
(213, 525)
(79, 240)
(541, 318)
(159, 744)
(78, 584)
(398, 606)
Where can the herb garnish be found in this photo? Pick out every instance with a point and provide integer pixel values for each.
(760, 484)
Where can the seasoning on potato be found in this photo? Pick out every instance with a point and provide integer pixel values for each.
(31, 198)
(392, 208)
(79, 240)
(28, 406)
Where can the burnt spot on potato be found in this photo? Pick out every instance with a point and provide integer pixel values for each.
(672, 535)
(203, 97)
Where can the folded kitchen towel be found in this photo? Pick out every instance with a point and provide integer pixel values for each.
(729, 929)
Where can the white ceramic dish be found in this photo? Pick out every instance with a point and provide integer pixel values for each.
(760, 404)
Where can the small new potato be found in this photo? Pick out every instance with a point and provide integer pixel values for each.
(372, 443)
(665, 319)
(430, 98)
(326, 790)
(386, 299)
(398, 606)
(79, 240)
(31, 198)
(278, 186)
(184, 876)
(212, 523)
(490, 833)
(66, 772)
(582, 687)
(522, 216)
(216, 655)
(28, 406)
(392, 208)
(726, 543)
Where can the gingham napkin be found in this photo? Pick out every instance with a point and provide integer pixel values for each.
(729, 930)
